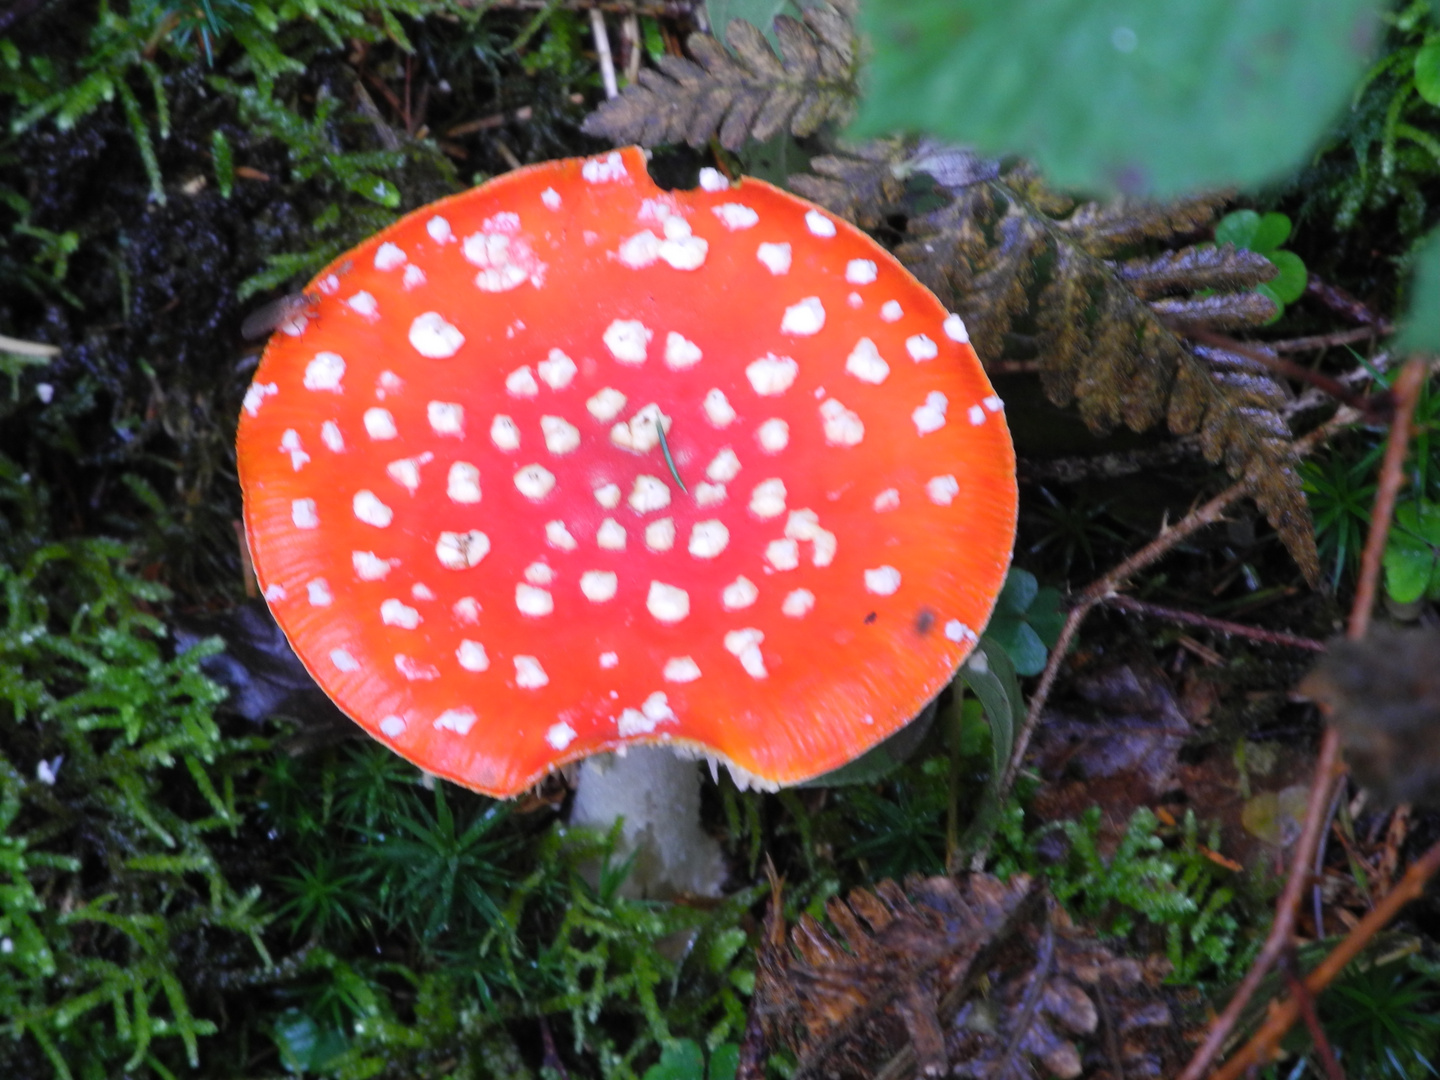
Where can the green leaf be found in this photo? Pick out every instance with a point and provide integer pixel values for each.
(303, 1044)
(1026, 620)
(1289, 284)
(224, 159)
(375, 188)
(1412, 553)
(1272, 230)
(1420, 331)
(1239, 228)
(680, 1060)
(1427, 70)
(1121, 94)
(724, 1062)
(758, 13)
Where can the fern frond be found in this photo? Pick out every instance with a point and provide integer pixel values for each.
(744, 93)
(861, 186)
(1110, 322)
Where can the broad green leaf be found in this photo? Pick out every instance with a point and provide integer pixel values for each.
(1025, 621)
(724, 1062)
(759, 13)
(1272, 230)
(1289, 284)
(1239, 228)
(1121, 94)
(1427, 70)
(1420, 331)
(1412, 553)
(680, 1060)
(990, 676)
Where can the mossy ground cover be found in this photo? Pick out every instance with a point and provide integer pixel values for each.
(189, 891)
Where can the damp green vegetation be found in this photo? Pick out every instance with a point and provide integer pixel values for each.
(190, 891)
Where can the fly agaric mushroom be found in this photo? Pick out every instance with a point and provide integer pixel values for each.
(567, 463)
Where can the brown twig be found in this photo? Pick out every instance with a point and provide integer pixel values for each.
(1324, 341)
(521, 115)
(1282, 1016)
(1338, 300)
(1375, 406)
(1220, 626)
(1406, 389)
(1208, 514)
(1392, 476)
(1279, 938)
(1306, 1001)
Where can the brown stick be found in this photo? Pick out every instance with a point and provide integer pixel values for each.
(1278, 940)
(1376, 406)
(1323, 341)
(1306, 1001)
(1220, 626)
(1407, 388)
(1392, 476)
(1283, 1016)
(1208, 514)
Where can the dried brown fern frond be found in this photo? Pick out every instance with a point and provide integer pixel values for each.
(1109, 317)
(955, 976)
(746, 92)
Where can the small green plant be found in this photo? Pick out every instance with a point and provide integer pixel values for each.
(1264, 234)
(1412, 553)
(684, 1059)
(115, 786)
(1169, 886)
(1341, 490)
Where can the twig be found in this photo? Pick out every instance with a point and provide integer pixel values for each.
(1220, 626)
(1278, 940)
(1044, 957)
(1306, 1001)
(1318, 869)
(1324, 341)
(1111, 582)
(1392, 475)
(38, 349)
(1406, 389)
(1282, 1016)
(602, 46)
(1337, 299)
(484, 123)
(1377, 406)
(630, 33)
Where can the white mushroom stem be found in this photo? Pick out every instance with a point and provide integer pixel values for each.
(658, 795)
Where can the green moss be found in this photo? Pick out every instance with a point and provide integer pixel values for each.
(115, 782)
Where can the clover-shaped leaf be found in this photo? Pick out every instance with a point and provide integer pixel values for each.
(1026, 622)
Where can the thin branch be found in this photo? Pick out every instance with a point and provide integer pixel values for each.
(1220, 626)
(37, 349)
(1406, 389)
(1306, 1001)
(602, 46)
(1324, 341)
(1281, 930)
(1392, 476)
(1376, 406)
(1282, 1016)
(1110, 583)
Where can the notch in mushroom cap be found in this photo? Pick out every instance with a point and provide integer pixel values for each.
(464, 516)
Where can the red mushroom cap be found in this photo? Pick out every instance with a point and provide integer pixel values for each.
(462, 518)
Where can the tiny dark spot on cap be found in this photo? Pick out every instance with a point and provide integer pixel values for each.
(869, 618)
(924, 621)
